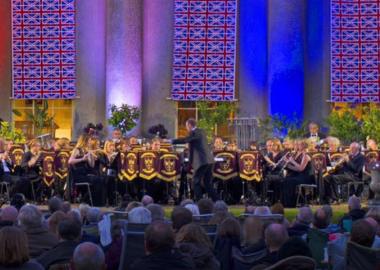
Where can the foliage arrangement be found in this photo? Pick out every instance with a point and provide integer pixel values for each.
(211, 114)
(158, 130)
(344, 125)
(9, 133)
(93, 130)
(371, 123)
(124, 117)
(281, 126)
(40, 118)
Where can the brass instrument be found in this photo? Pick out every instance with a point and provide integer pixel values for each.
(337, 165)
(285, 158)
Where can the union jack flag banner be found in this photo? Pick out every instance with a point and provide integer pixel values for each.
(204, 50)
(43, 49)
(355, 26)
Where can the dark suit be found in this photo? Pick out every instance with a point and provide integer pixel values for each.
(320, 135)
(201, 161)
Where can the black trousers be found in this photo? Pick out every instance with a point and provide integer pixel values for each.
(331, 183)
(204, 174)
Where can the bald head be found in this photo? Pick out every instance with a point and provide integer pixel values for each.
(354, 203)
(305, 215)
(354, 148)
(9, 213)
(275, 236)
(321, 219)
(88, 256)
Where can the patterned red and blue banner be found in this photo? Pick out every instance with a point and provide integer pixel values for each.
(204, 50)
(355, 27)
(43, 49)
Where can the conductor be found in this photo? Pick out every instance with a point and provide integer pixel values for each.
(200, 159)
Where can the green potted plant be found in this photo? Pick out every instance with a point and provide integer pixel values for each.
(9, 133)
(371, 122)
(124, 117)
(40, 118)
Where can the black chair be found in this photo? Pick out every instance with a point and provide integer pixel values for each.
(133, 244)
(303, 190)
(88, 190)
(4, 191)
(361, 257)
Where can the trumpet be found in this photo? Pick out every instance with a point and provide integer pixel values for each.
(285, 158)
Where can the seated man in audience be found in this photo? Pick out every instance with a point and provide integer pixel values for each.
(180, 217)
(363, 233)
(160, 251)
(8, 216)
(262, 211)
(146, 200)
(140, 215)
(355, 212)
(302, 223)
(93, 217)
(54, 205)
(39, 238)
(275, 236)
(331, 227)
(69, 232)
(88, 256)
(205, 206)
(157, 212)
(321, 220)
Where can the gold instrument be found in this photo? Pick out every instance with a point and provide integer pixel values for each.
(337, 165)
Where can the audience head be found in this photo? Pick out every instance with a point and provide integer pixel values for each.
(30, 216)
(9, 213)
(220, 206)
(75, 215)
(159, 236)
(294, 246)
(250, 209)
(363, 233)
(94, 215)
(69, 230)
(329, 212)
(305, 215)
(14, 247)
(275, 236)
(88, 256)
(18, 200)
(321, 220)
(132, 205)
(146, 200)
(262, 211)
(253, 230)
(278, 208)
(205, 206)
(140, 215)
(354, 203)
(180, 217)
(374, 212)
(193, 209)
(157, 212)
(55, 204)
(83, 210)
(54, 220)
(186, 201)
(230, 228)
(193, 233)
(66, 207)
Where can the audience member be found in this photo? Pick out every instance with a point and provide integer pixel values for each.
(160, 251)
(180, 217)
(262, 211)
(220, 213)
(193, 209)
(157, 212)
(362, 233)
(83, 210)
(186, 201)
(354, 213)
(8, 216)
(14, 252)
(66, 207)
(18, 200)
(140, 215)
(320, 220)
(249, 209)
(146, 200)
(302, 223)
(69, 232)
(275, 236)
(114, 250)
(54, 204)
(294, 246)
(331, 228)
(278, 208)
(205, 206)
(132, 205)
(376, 241)
(253, 235)
(54, 220)
(88, 256)
(193, 241)
(374, 212)
(228, 236)
(220, 207)
(39, 238)
(94, 215)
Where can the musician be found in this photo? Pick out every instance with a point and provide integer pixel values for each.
(349, 169)
(218, 144)
(5, 164)
(314, 132)
(253, 146)
(273, 160)
(288, 145)
(85, 164)
(298, 171)
(109, 169)
(117, 135)
(200, 159)
(31, 165)
(333, 144)
(371, 145)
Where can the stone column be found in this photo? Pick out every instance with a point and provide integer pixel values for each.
(124, 53)
(286, 56)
